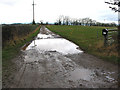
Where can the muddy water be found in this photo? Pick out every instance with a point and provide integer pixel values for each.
(81, 73)
(51, 61)
(57, 44)
(49, 42)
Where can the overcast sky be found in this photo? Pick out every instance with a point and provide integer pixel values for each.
(20, 11)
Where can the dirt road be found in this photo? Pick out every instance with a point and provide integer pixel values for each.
(53, 62)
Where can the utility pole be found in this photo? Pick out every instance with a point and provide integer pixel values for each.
(33, 13)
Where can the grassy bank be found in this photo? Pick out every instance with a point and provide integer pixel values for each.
(12, 49)
(89, 39)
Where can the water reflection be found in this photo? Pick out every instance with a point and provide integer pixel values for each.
(49, 42)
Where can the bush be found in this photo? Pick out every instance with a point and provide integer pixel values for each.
(15, 32)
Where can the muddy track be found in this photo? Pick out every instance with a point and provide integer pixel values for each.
(51, 66)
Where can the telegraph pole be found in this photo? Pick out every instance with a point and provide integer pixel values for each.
(33, 13)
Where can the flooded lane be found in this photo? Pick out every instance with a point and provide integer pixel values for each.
(50, 62)
(60, 45)
(51, 42)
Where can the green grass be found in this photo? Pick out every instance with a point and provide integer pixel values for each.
(11, 51)
(88, 38)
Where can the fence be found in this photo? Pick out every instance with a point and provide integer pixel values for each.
(109, 36)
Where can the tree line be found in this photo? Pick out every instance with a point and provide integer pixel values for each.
(66, 20)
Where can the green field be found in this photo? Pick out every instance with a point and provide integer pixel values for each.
(89, 39)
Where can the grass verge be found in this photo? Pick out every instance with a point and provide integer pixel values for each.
(12, 50)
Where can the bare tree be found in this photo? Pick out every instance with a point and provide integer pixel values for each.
(41, 22)
(75, 21)
(66, 19)
(113, 4)
(83, 21)
(94, 22)
(60, 20)
(80, 21)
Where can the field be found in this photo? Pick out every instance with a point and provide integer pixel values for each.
(89, 39)
(13, 38)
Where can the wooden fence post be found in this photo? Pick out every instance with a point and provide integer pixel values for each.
(105, 34)
(107, 37)
(105, 40)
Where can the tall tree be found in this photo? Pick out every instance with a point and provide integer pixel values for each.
(67, 20)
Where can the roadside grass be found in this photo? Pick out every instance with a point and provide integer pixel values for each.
(11, 50)
(89, 39)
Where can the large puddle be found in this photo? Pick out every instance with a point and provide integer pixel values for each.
(44, 36)
(82, 73)
(48, 42)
